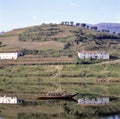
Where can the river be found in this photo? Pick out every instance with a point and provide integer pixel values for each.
(58, 109)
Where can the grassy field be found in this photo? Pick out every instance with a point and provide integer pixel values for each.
(12, 43)
(37, 60)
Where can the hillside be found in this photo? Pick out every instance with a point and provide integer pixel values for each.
(112, 27)
(58, 40)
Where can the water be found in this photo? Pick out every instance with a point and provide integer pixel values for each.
(57, 109)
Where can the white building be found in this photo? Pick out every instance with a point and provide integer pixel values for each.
(93, 55)
(86, 101)
(8, 100)
(9, 55)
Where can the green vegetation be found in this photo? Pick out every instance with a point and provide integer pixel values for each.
(94, 79)
(47, 53)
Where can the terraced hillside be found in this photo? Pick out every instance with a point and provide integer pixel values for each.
(49, 65)
(58, 40)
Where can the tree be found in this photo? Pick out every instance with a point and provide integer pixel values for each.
(114, 33)
(66, 46)
(87, 27)
(94, 28)
(78, 24)
(118, 34)
(0, 43)
(71, 23)
(83, 25)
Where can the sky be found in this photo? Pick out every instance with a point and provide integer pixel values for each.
(23, 13)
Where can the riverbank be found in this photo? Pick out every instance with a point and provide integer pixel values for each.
(95, 80)
(62, 109)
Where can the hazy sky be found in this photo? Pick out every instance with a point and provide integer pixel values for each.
(22, 13)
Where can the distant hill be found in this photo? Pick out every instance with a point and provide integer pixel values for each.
(59, 40)
(112, 27)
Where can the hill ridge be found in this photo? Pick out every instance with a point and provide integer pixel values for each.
(59, 40)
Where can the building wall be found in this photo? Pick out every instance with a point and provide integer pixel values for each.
(9, 55)
(93, 101)
(8, 100)
(99, 55)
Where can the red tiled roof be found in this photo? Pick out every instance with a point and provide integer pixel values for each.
(92, 52)
(9, 51)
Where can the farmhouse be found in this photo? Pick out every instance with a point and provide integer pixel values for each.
(9, 55)
(8, 100)
(93, 55)
(96, 101)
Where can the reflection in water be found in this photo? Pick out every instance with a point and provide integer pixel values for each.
(59, 109)
(57, 101)
(111, 117)
(87, 101)
(50, 109)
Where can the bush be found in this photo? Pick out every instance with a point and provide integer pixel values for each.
(88, 61)
(26, 51)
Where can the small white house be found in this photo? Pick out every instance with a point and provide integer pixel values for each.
(9, 55)
(93, 55)
(8, 100)
(86, 101)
